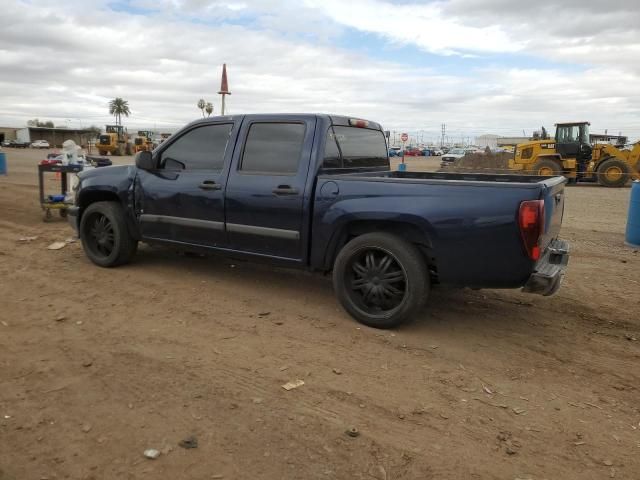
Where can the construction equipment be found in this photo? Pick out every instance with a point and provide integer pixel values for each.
(616, 166)
(164, 136)
(144, 141)
(570, 154)
(115, 141)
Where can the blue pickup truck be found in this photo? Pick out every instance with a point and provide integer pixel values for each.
(316, 192)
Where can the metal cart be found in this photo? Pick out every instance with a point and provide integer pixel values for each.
(55, 202)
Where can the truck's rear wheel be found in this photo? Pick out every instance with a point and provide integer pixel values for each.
(380, 279)
(105, 237)
(613, 173)
(546, 167)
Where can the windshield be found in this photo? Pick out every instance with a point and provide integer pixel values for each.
(457, 151)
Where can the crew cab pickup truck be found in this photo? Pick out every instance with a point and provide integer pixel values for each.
(316, 192)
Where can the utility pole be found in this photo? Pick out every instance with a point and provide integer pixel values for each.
(224, 86)
(444, 133)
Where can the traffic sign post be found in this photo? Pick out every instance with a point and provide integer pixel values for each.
(404, 137)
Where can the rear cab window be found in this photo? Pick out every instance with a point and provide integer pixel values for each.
(355, 148)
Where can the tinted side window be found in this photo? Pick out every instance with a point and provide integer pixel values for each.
(199, 149)
(362, 147)
(273, 148)
(332, 157)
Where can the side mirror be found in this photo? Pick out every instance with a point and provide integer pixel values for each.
(144, 160)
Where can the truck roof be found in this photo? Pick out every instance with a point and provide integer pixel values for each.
(341, 120)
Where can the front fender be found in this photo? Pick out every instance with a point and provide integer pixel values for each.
(114, 183)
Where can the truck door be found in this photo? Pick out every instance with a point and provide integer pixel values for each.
(266, 185)
(182, 201)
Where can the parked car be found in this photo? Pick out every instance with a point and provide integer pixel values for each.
(472, 150)
(452, 155)
(395, 151)
(437, 152)
(316, 192)
(17, 144)
(413, 152)
(40, 144)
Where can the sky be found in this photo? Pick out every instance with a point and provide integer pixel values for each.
(478, 66)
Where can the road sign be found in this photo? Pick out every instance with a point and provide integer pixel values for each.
(404, 137)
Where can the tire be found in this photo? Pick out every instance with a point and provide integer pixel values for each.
(105, 236)
(547, 168)
(374, 301)
(613, 173)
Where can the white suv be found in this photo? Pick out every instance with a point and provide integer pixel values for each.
(40, 144)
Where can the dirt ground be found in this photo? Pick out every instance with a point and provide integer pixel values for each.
(98, 365)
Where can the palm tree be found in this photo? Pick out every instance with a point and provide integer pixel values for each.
(119, 107)
(201, 105)
(209, 109)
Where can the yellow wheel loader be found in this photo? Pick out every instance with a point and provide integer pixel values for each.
(616, 166)
(570, 154)
(144, 141)
(115, 141)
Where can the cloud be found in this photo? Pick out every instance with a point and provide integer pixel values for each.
(162, 56)
(424, 25)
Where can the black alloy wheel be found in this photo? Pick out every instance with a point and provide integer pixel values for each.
(105, 236)
(100, 237)
(381, 279)
(377, 282)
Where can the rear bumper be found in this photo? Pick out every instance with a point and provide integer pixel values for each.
(73, 217)
(547, 275)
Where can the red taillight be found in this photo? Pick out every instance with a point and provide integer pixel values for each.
(531, 222)
(356, 122)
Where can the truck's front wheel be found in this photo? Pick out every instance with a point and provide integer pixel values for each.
(105, 237)
(380, 279)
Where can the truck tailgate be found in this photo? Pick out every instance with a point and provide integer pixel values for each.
(553, 195)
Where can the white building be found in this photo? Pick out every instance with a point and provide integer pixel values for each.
(484, 141)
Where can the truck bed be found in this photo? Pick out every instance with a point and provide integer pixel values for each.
(522, 181)
(470, 220)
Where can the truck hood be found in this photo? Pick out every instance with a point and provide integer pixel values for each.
(114, 170)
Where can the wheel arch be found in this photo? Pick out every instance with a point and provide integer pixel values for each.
(89, 196)
(606, 159)
(404, 229)
(554, 158)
